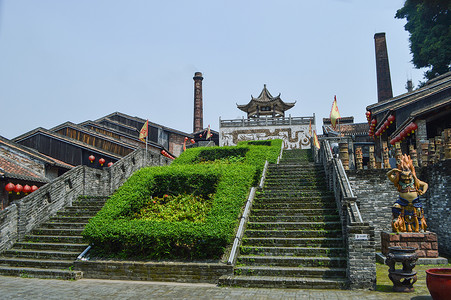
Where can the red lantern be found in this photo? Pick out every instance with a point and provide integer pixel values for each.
(398, 138)
(27, 189)
(34, 188)
(391, 118)
(110, 164)
(392, 141)
(92, 158)
(412, 127)
(403, 134)
(18, 188)
(193, 141)
(101, 161)
(387, 123)
(373, 122)
(10, 187)
(186, 139)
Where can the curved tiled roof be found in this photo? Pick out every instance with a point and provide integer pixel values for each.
(265, 98)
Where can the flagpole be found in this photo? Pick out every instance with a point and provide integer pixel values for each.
(146, 151)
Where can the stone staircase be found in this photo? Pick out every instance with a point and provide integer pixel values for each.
(50, 250)
(293, 238)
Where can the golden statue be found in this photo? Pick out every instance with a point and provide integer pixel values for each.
(408, 214)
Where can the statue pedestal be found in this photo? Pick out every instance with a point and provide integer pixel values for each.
(425, 242)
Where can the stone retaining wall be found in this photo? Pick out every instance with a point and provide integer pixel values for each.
(375, 195)
(437, 206)
(23, 215)
(154, 271)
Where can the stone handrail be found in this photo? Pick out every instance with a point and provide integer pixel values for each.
(358, 235)
(280, 155)
(266, 121)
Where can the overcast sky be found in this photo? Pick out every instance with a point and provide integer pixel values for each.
(78, 60)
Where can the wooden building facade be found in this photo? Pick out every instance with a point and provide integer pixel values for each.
(415, 121)
(111, 138)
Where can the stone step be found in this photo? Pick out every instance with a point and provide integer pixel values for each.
(289, 261)
(36, 263)
(281, 282)
(331, 233)
(71, 219)
(292, 251)
(291, 272)
(294, 194)
(294, 212)
(74, 214)
(295, 205)
(58, 225)
(295, 179)
(40, 273)
(293, 165)
(51, 246)
(313, 242)
(293, 225)
(54, 239)
(296, 173)
(41, 254)
(86, 208)
(90, 202)
(300, 186)
(278, 218)
(305, 199)
(295, 190)
(56, 232)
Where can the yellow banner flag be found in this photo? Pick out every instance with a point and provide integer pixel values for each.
(315, 140)
(144, 131)
(334, 113)
(208, 133)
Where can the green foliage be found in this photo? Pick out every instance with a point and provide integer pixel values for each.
(429, 25)
(188, 210)
(183, 207)
(212, 154)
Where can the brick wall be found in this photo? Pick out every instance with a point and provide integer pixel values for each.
(23, 215)
(176, 143)
(23, 160)
(8, 227)
(438, 203)
(154, 271)
(361, 269)
(375, 195)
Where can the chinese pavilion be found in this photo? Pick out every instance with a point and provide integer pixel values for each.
(266, 105)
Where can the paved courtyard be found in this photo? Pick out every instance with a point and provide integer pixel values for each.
(30, 288)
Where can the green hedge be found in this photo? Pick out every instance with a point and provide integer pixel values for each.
(115, 230)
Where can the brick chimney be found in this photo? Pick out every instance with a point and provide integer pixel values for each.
(384, 89)
(198, 123)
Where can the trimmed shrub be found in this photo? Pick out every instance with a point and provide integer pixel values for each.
(221, 176)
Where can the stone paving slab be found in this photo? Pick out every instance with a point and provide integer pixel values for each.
(32, 288)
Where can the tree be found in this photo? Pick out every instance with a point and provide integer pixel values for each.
(429, 25)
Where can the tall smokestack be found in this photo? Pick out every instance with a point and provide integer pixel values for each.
(198, 123)
(384, 89)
